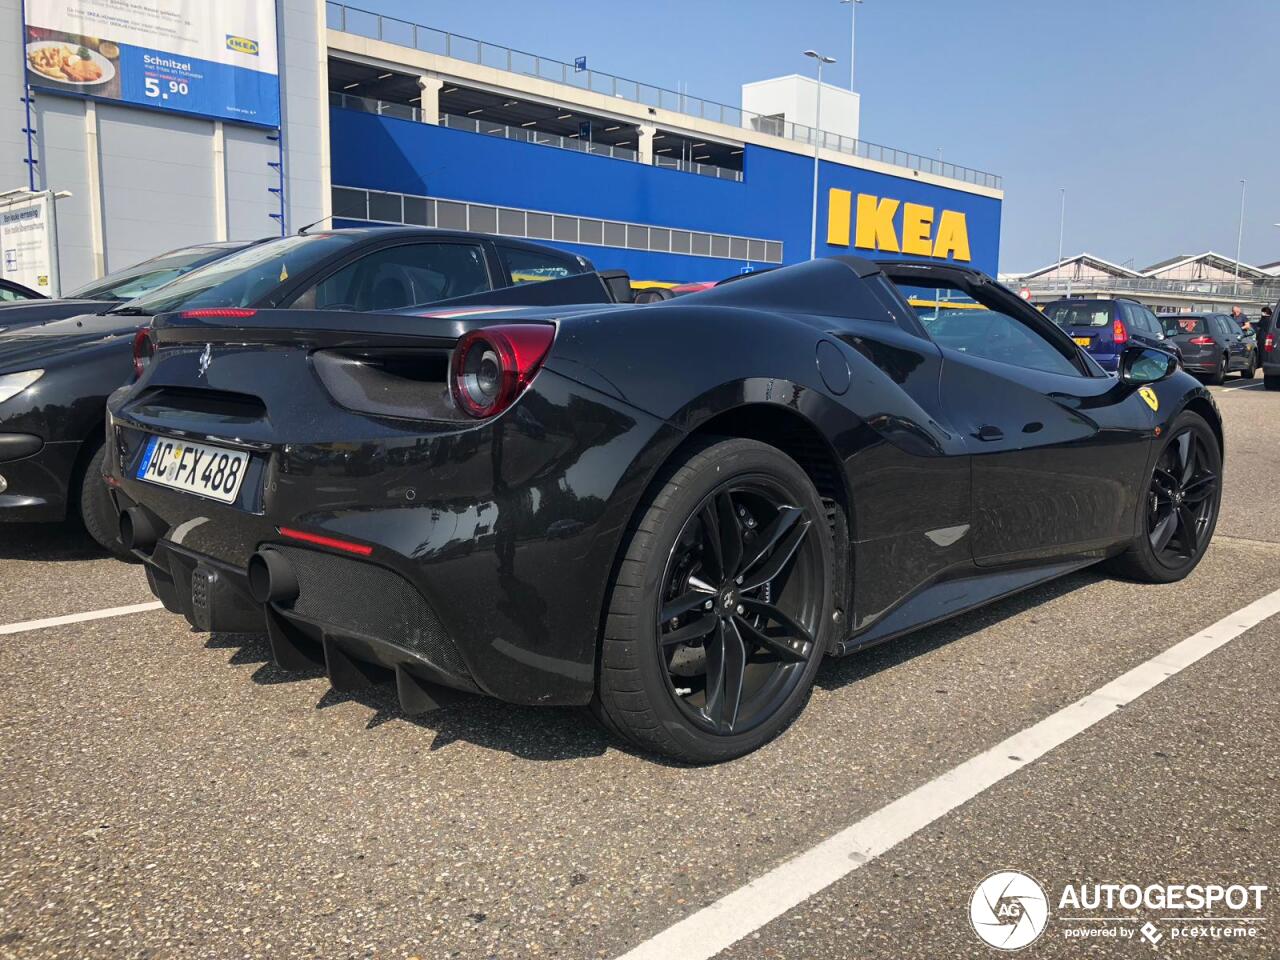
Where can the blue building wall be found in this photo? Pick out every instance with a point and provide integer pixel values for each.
(771, 203)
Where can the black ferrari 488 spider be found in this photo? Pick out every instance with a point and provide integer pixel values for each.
(672, 512)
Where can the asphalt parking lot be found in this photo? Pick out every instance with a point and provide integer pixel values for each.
(167, 794)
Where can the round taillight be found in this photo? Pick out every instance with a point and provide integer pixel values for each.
(144, 348)
(492, 365)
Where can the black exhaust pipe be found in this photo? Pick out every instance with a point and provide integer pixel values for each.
(271, 578)
(137, 532)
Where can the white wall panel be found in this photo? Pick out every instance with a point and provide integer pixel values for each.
(250, 201)
(64, 165)
(157, 182)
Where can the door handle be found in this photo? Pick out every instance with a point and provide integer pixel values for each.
(987, 432)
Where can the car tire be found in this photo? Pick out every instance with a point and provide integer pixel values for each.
(97, 512)
(1271, 382)
(1145, 560)
(648, 687)
(1220, 374)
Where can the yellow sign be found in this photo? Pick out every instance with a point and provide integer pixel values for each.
(242, 45)
(878, 224)
(1149, 395)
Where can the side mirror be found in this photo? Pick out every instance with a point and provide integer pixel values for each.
(1139, 365)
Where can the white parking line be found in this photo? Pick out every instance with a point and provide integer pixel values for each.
(1245, 385)
(738, 914)
(27, 625)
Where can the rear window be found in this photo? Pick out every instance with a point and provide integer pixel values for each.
(1176, 326)
(1083, 313)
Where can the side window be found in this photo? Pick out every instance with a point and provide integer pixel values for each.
(530, 266)
(957, 322)
(1153, 324)
(401, 276)
(1132, 317)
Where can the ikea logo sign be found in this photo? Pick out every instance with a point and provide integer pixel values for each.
(891, 226)
(242, 45)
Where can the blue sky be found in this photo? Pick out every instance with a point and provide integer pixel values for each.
(1148, 112)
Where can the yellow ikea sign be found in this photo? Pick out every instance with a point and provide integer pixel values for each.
(242, 45)
(876, 226)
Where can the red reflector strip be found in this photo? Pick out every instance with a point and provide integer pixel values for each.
(216, 312)
(360, 549)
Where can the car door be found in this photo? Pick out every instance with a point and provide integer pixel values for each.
(1238, 343)
(400, 275)
(1135, 323)
(1224, 337)
(1059, 449)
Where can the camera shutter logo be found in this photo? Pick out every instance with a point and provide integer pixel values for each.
(1009, 910)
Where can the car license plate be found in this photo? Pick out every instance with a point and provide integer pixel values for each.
(197, 468)
(1083, 341)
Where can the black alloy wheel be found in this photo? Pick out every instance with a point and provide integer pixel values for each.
(720, 605)
(1183, 499)
(1179, 507)
(738, 609)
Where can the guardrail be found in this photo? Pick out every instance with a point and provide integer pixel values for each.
(702, 169)
(401, 111)
(526, 135)
(375, 26)
(1262, 291)
(404, 111)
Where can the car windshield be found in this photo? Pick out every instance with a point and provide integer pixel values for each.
(245, 278)
(144, 277)
(1177, 326)
(1081, 313)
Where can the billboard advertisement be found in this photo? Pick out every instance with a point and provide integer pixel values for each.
(27, 245)
(212, 58)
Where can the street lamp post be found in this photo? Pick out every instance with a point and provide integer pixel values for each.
(1239, 240)
(853, 35)
(1062, 220)
(817, 129)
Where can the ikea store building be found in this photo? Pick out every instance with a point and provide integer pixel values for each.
(250, 118)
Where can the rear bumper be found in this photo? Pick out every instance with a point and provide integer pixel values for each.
(490, 544)
(361, 623)
(1200, 364)
(37, 478)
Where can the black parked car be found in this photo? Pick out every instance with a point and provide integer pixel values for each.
(55, 376)
(1213, 345)
(115, 288)
(671, 512)
(1106, 327)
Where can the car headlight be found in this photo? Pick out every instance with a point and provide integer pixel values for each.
(12, 384)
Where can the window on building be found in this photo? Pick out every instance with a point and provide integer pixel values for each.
(482, 219)
(350, 204)
(450, 215)
(511, 222)
(386, 206)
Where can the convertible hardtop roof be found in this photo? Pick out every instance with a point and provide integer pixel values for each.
(830, 287)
